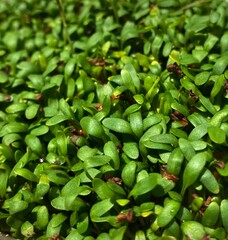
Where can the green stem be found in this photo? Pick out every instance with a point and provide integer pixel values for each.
(114, 8)
(64, 24)
(191, 5)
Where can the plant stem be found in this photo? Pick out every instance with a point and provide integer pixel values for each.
(64, 24)
(190, 5)
(114, 8)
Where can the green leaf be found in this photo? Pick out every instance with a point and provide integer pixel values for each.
(167, 49)
(27, 174)
(51, 110)
(152, 131)
(224, 42)
(71, 202)
(186, 148)
(223, 212)
(197, 23)
(42, 218)
(156, 45)
(117, 233)
(101, 208)
(218, 86)
(128, 174)
(69, 68)
(31, 111)
(6, 152)
(134, 76)
(210, 42)
(34, 144)
(167, 4)
(58, 177)
(111, 150)
(140, 235)
(220, 65)
(74, 234)
(57, 119)
(199, 53)
(55, 224)
(193, 170)
(197, 119)
(117, 189)
(96, 161)
(198, 145)
(175, 161)
(186, 58)
(154, 145)
(201, 78)
(127, 80)
(104, 191)
(197, 203)
(47, 88)
(145, 185)
(146, 47)
(207, 104)
(27, 229)
(71, 188)
(217, 233)
(216, 134)
(223, 171)
(129, 31)
(86, 152)
(209, 181)
(83, 223)
(4, 174)
(179, 133)
(59, 203)
(193, 229)
(42, 187)
(163, 187)
(181, 108)
(17, 107)
(152, 120)
(142, 59)
(70, 88)
(36, 80)
(164, 138)
(39, 131)
(131, 149)
(3, 77)
(117, 125)
(52, 65)
(92, 127)
(61, 142)
(131, 109)
(13, 127)
(122, 202)
(139, 98)
(168, 212)
(94, 39)
(65, 108)
(211, 215)
(10, 39)
(16, 206)
(220, 117)
(198, 132)
(136, 123)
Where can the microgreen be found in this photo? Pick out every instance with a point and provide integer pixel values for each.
(113, 119)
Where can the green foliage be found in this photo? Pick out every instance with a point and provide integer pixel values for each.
(113, 119)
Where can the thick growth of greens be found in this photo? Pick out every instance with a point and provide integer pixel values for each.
(113, 119)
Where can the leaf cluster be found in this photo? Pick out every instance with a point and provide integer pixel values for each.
(113, 119)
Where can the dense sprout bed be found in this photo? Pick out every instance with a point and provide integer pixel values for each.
(113, 119)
